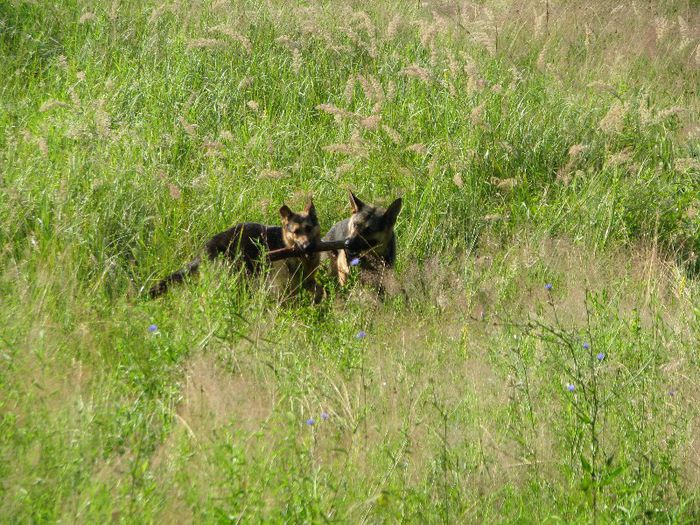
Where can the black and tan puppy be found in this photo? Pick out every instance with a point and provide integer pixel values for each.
(246, 241)
(370, 242)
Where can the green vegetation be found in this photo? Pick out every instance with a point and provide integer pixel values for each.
(539, 142)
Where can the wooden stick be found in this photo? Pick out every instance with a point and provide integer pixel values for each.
(323, 246)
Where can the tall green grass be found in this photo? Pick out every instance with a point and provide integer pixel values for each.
(535, 143)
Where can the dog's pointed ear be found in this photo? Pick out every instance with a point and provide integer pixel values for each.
(392, 212)
(310, 209)
(355, 203)
(285, 212)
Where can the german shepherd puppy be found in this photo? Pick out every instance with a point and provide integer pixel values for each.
(370, 242)
(247, 240)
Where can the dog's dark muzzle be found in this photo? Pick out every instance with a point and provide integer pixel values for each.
(307, 247)
(355, 245)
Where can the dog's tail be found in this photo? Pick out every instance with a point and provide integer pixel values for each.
(162, 286)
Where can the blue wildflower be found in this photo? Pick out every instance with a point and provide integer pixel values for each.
(600, 356)
(325, 416)
(361, 334)
(570, 388)
(586, 346)
(355, 261)
(310, 421)
(548, 286)
(152, 328)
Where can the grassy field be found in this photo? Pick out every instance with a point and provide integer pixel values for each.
(543, 364)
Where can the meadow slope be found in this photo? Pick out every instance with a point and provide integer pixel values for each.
(542, 364)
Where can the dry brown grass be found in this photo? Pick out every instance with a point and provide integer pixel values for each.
(213, 397)
(214, 400)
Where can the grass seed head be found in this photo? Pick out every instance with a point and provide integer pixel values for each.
(272, 174)
(614, 119)
(190, 129)
(336, 111)
(391, 91)
(416, 71)
(349, 89)
(687, 164)
(393, 27)
(392, 134)
(88, 16)
(174, 191)
(620, 158)
(661, 28)
(477, 114)
(43, 146)
(245, 83)
(230, 32)
(288, 42)
(103, 121)
(540, 25)
(296, 61)
(576, 149)
(418, 148)
(371, 122)
(205, 43)
(213, 148)
(52, 104)
(74, 98)
(344, 169)
(347, 149)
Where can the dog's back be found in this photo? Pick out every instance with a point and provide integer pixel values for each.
(248, 240)
(244, 241)
(338, 232)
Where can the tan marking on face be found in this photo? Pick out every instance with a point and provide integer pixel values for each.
(352, 226)
(300, 229)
